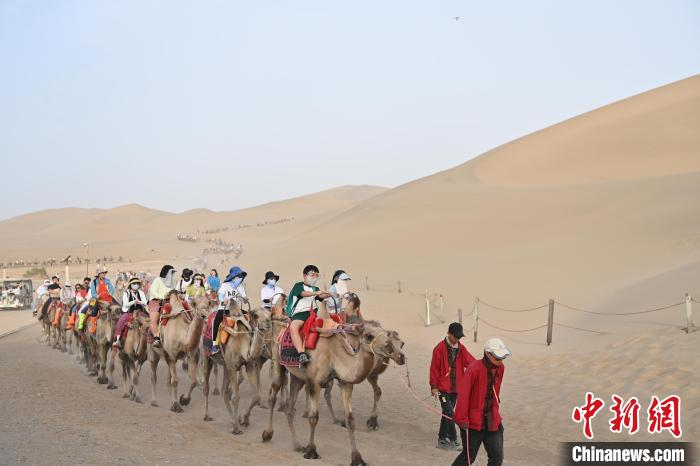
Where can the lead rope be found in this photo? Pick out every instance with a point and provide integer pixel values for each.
(407, 383)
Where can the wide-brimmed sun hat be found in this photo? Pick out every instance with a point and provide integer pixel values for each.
(234, 272)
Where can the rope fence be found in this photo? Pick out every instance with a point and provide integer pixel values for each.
(435, 307)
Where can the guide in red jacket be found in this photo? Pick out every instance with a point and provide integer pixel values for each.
(450, 360)
(478, 400)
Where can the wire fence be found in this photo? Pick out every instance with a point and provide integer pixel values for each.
(435, 308)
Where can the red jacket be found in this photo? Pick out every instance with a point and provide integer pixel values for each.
(440, 366)
(471, 396)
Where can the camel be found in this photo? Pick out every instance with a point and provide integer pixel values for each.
(133, 355)
(179, 338)
(107, 317)
(243, 348)
(278, 373)
(348, 354)
(394, 352)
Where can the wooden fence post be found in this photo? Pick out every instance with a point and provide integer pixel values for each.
(366, 283)
(427, 310)
(476, 318)
(399, 282)
(550, 322)
(459, 313)
(688, 313)
(442, 305)
(67, 275)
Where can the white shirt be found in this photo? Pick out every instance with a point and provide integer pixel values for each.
(228, 291)
(182, 285)
(271, 293)
(131, 297)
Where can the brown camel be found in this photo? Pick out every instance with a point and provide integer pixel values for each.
(347, 355)
(278, 373)
(107, 317)
(243, 348)
(133, 354)
(351, 310)
(180, 339)
(395, 353)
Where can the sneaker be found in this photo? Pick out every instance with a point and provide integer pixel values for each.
(156, 342)
(117, 343)
(304, 359)
(455, 445)
(444, 444)
(214, 349)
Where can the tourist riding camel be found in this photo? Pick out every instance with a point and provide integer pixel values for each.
(160, 287)
(133, 299)
(197, 288)
(54, 291)
(338, 289)
(185, 281)
(232, 287)
(271, 291)
(303, 300)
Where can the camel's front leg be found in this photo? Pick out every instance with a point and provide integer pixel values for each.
(314, 396)
(192, 371)
(294, 386)
(172, 365)
(253, 373)
(276, 383)
(102, 355)
(206, 368)
(258, 366)
(230, 382)
(327, 396)
(372, 422)
(135, 373)
(356, 457)
(112, 355)
(126, 376)
(154, 359)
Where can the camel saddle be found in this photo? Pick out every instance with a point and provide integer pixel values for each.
(167, 309)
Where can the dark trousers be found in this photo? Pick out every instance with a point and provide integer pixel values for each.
(217, 321)
(493, 443)
(448, 430)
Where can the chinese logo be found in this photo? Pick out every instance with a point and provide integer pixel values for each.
(661, 414)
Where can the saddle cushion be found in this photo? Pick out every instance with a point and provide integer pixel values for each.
(289, 357)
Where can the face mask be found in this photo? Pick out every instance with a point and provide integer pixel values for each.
(311, 280)
(342, 287)
(236, 282)
(271, 283)
(134, 286)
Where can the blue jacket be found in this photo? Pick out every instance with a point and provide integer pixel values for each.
(93, 287)
(214, 282)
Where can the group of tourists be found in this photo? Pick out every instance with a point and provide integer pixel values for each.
(304, 298)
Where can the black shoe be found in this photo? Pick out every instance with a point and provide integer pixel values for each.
(156, 342)
(444, 444)
(304, 359)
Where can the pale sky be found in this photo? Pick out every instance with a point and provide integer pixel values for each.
(226, 104)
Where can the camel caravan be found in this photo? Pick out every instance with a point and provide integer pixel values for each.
(310, 339)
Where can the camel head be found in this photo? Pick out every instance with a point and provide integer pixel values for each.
(277, 310)
(113, 310)
(260, 319)
(202, 306)
(396, 347)
(376, 340)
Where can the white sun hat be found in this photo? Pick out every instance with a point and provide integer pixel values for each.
(496, 347)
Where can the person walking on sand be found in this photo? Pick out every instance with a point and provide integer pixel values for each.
(478, 402)
(447, 367)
